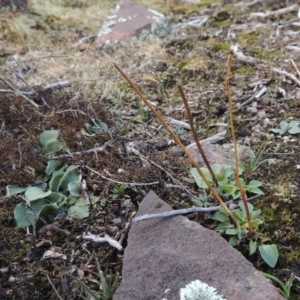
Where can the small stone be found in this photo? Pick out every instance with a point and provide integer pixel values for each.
(269, 136)
(261, 114)
(286, 139)
(252, 110)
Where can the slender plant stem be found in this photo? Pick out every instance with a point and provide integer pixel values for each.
(178, 142)
(286, 289)
(236, 171)
(196, 139)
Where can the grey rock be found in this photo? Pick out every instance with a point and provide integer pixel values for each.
(164, 255)
(132, 19)
(13, 4)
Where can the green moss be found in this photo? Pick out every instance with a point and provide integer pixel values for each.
(262, 53)
(217, 46)
(244, 70)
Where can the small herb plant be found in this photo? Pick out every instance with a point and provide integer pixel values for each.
(60, 190)
(285, 288)
(118, 191)
(285, 127)
(226, 181)
(108, 287)
(269, 253)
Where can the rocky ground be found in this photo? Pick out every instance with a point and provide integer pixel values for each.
(55, 42)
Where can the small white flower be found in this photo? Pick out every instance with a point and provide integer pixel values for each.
(198, 290)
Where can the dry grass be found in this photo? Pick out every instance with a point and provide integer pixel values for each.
(53, 30)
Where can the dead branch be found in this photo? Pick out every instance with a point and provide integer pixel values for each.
(289, 75)
(184, 211)
(240, 55)
(178, 142)
(278, 12)
(54, 86)
(18, 93)
(122, 182)
(105, 239)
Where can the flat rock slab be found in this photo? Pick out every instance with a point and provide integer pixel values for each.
(164, 255)
(129, 20)
(14, 4)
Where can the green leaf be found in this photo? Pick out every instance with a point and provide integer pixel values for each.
(229, 189)
(74, 188)
(252, 247)
(54, 146)
(255, 213)
(79, 210)
(233, 241)
(43, 207)
(48, 135)
(58, 198)
(34, 193)
(199, 181)
(69, 176)
(23, 215)
(222, 227)
(240, 215)
(242, 206)
(284, 125)
(293, 127)
(269, 254)
(219, 216)
(15, 189)
(255, 183)
(254, 190)
(53, 165)
(233, 231)
(55, 181)
(101, 125)
(275, 130)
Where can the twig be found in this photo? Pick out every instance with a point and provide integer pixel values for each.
(45, 57)
(87, 38)
(289, 22)
(182, 211)
(121, 182)
(179, 143)
(18, 93)
(275, 12)
(240, 55)
(170, 175)
(257, 95)
(211, 140)
(179, 123)
(175, 213)
(195, 137)
(105, 239)
(53, 227)
(20, 151)
(19, 73)
(99, 149)
(236, 171)
(54, 86)
(295, 66)
(291, 76)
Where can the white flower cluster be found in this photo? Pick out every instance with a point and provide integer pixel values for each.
(198, 290)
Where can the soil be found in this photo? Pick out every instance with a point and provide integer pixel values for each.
(44, 47)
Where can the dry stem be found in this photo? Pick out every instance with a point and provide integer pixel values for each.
(178, 142)
(236, 171)
(196, 139)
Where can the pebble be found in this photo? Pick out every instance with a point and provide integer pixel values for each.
(261, 114)
(252, 110)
